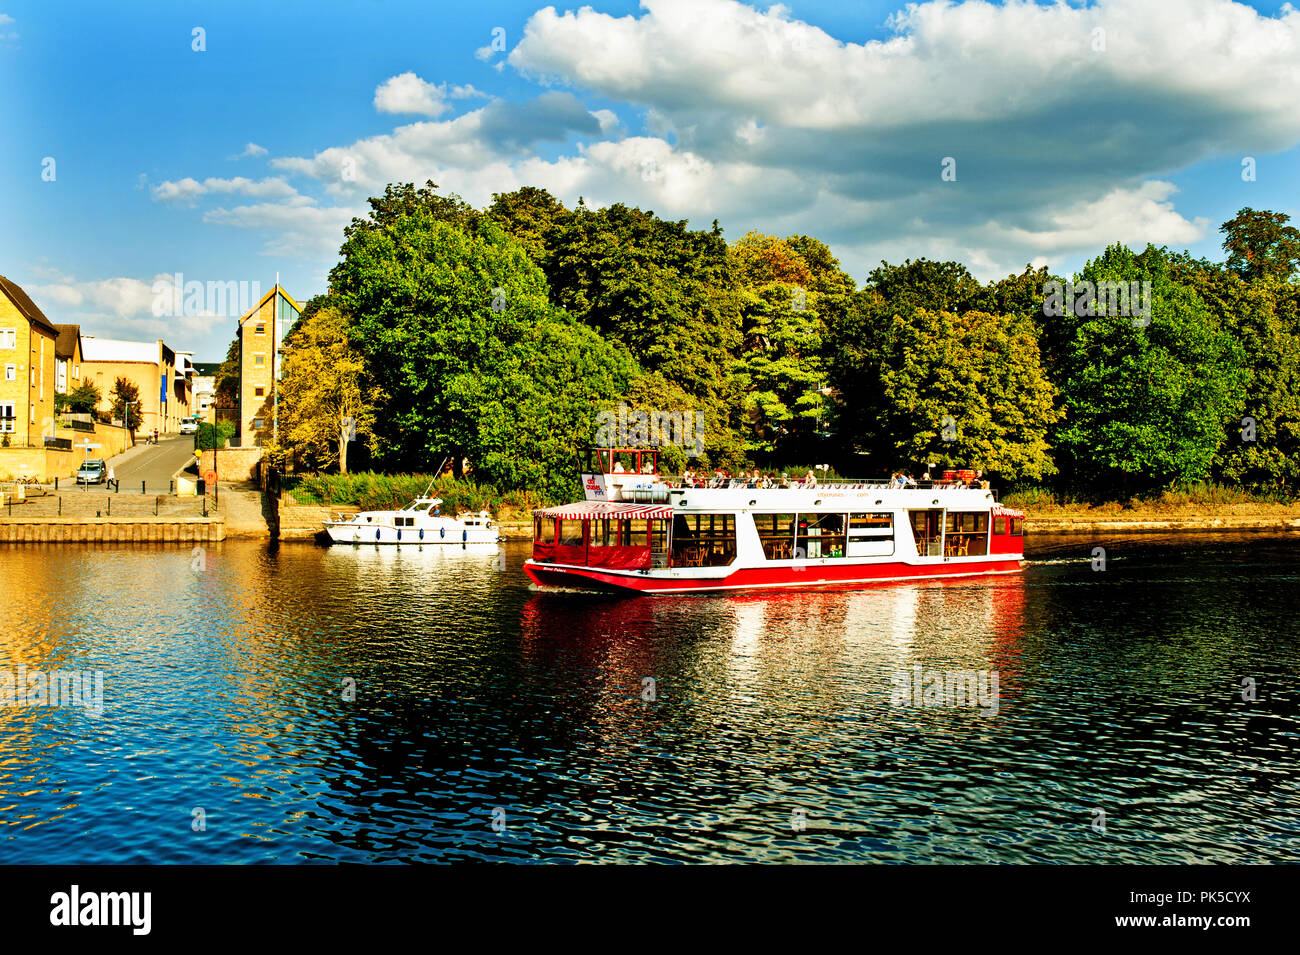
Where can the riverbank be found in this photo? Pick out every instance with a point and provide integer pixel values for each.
(1158, 518)
(246, 514)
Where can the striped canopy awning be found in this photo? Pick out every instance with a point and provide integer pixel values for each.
(1002, 511)
(592, 510)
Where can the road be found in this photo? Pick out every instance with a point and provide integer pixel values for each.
(155, 465)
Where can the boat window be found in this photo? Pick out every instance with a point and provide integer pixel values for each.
(776, 534)
(871, 534)
(820, 535)
(966, 533)
(544, 533)
(1017, 530)
(927, 531)
(871, 525)
(570, 533)
(608, 532)
(704, 540)
(1000, 525)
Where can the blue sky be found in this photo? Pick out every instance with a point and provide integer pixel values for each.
(827, 119)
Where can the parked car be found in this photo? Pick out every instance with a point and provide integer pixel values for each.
(92, 471)
(189, 425)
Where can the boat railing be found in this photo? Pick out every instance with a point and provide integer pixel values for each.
(837, 484)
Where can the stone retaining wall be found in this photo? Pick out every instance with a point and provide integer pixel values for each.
(36, 529)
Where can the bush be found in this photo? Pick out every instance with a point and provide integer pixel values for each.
(370, 491)
(219, 433)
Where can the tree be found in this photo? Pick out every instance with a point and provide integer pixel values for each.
(942, 286)
(226, 385)
(85, 398)
(784, 300)
(126, 403)
(538, 405)
(209, 437)
(436, 307)
(658, 288)
(1145, 405)
(1261, 245)
(1262, 449)
(532, 216)
(324, 399)
(949, 389)
(403, 200)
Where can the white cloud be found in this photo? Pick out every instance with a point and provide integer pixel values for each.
(187, 189)
(407, 93)
(1064, 137)
(251, 151)
(122, 307)
(298, 228)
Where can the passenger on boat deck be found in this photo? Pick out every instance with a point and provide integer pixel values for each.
(896, 479)
(926, 476)
(810, 479)
(909, 481)
(785, 480)
(648, 468)
(618, 467)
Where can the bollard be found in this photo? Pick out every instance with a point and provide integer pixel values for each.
(56, 482)
(60, 507)
(155, 507)
(110, 506)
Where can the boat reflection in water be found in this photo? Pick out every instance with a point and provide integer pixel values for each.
(816, 658)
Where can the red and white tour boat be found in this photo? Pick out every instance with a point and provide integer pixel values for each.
(636, 531)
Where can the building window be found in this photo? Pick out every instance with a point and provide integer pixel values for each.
(8, 338)
(259, 359)
(259, 392)
(6, 418)
(260, 330)
(259, 424)
(76, 372)
(11, 372)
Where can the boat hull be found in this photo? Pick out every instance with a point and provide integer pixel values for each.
(382, 534)
(837, 576)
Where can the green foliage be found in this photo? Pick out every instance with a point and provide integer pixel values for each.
(85, 398)
(227, 378)
(1145, 406)
(1261, 245)
(324, 399)
(126, 403)
(954, 390)
(456, 329)
(662, 291)
(784, 300)
(532, 216)
(368, 490)
(210, 437)
(1262, 448)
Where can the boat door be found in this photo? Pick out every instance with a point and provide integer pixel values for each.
(927, 531)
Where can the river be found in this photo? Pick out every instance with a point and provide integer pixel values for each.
(305, 704)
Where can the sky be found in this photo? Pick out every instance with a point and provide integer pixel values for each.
(231, 142)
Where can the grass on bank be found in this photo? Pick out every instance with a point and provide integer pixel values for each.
(1201, 497)
(370, 491)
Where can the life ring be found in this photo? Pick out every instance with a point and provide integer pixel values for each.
(210, 477)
